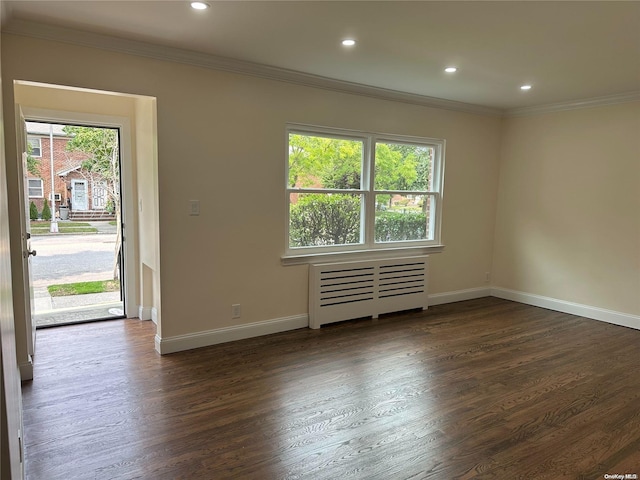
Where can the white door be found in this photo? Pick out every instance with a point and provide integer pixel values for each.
(99, 195)
(26, 248)
(79, 195)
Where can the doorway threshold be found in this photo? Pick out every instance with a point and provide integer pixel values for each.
(82, 314)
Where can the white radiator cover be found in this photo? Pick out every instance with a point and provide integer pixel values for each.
(342, 291)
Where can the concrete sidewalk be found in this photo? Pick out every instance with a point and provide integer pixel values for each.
(104, 227)
(74, 308)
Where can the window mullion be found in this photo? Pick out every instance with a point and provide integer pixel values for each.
(369, 198)
(404, 192)
(324, 190)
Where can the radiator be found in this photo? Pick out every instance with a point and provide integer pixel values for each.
(343, 291)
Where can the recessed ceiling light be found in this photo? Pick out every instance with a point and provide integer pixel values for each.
(451, 69)
(348, 42)
(525, 87)
(199, 5)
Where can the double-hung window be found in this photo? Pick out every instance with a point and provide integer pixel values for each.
(354, 191)
(35, 188)
(35, 146)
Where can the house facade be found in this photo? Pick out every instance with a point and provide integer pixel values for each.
(76, 191)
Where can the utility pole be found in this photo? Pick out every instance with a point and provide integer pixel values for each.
(54, 220)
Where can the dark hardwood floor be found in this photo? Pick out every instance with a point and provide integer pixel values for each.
(485, 389)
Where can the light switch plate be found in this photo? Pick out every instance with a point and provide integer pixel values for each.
(194, 207)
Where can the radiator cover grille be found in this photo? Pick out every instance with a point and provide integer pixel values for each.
(341, 291)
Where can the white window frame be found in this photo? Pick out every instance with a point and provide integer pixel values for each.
(29, 187)
(368, 248)
(33, 148)
(56, 196)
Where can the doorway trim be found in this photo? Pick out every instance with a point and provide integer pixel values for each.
(129, 218)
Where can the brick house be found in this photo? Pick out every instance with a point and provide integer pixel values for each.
(85, 195)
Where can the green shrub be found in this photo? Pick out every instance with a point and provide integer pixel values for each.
(396, 226)
(33, 211)
(324, 219)
(46, 211)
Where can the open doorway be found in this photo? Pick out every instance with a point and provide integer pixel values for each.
(134, 117)
(75, 219)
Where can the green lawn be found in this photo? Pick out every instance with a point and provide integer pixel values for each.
(63, 227)
(83, 288)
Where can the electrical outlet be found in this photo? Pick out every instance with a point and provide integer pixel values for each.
(235, 310)
(487, 277)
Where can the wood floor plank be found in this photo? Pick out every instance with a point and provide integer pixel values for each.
(486, 389)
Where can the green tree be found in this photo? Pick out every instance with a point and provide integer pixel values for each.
(102, 149)
(103, 154)
(395, 170)
(46, 211)
(33, 164)
(324, 162)
(33, 211)
(337, 163)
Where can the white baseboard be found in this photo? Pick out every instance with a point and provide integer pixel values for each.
(581, 310)
(26, 371)
(154, 315)
(459, 295)
(144, 313)
(229, 334)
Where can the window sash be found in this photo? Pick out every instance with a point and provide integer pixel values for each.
(327, 232)
(380, 140)
(36, 189)
(335, 135)
(36, 146)
(369, 193)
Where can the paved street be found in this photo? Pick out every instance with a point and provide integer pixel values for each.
(65, 258)
(72, 258)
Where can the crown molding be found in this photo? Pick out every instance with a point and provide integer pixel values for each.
(575, 105)
(214, 62)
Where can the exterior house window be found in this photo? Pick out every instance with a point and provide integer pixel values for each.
(36, 146)
(358, 191)
(35, 188)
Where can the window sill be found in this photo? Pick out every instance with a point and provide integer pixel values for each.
(355, 255)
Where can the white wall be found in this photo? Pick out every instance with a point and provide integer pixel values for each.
(221, 139)
(568, 218)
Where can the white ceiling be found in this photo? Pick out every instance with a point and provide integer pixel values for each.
(568, 51)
